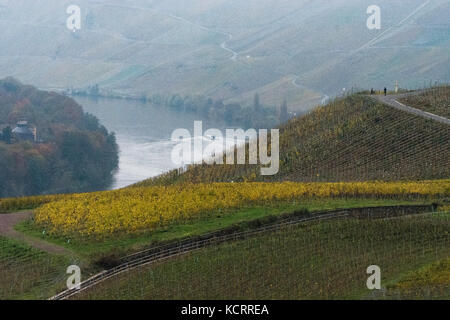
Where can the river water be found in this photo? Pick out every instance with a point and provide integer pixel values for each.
(143, 132)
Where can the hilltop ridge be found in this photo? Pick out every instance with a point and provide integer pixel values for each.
(354, 138)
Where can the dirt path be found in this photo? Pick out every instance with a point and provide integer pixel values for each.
(7, 223)
(392, 100)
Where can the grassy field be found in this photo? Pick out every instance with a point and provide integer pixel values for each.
(326, 260)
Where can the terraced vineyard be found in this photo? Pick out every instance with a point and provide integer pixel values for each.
(145, 209)
(29, 273)
(436, 101)
(323, 260)
(353, 153)
(351, 139)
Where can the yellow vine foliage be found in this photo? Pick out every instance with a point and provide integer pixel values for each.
(11, 204)
(137, 209)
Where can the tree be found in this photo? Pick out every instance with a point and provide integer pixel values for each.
(94, 90)
(256, 103)
(284, 112)
(76, 154)
(7, 134)
(176, 102)
(232, 112)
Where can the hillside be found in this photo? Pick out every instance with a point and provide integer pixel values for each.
(99, 231)
(323, 260)
(102, 229)
(436, 102)
(363, 177)
(68, 152)
(351, 139)
(299, 50)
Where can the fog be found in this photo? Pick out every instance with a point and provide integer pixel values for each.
(226, 49)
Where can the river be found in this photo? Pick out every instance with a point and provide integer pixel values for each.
(143, 132)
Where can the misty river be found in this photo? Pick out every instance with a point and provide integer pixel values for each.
(143, 132)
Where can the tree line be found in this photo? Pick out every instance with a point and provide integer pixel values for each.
(256, 115)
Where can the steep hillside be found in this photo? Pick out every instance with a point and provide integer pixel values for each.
(323, 260)
(351, 139)
(225, 49)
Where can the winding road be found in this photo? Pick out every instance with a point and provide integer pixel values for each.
(226, 48)
(223, 45)
(392, 101)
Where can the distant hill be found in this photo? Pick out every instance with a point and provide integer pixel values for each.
(71, 152)
(226, 49)
(351, 139)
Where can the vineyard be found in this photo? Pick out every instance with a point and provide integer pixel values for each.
(15, 204)
(421, 282)
(29, 273)
(436, 101)
(135, 210)
(351, 139)
(323, 260)
(353, 155)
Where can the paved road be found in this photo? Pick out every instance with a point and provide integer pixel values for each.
(7, 223)
(392, 100)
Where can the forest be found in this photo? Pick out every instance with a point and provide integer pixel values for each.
(71, 151)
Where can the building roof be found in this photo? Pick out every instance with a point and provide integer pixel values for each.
(22, 130)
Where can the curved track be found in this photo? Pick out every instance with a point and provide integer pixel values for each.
(392, 100)
(9, 220)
